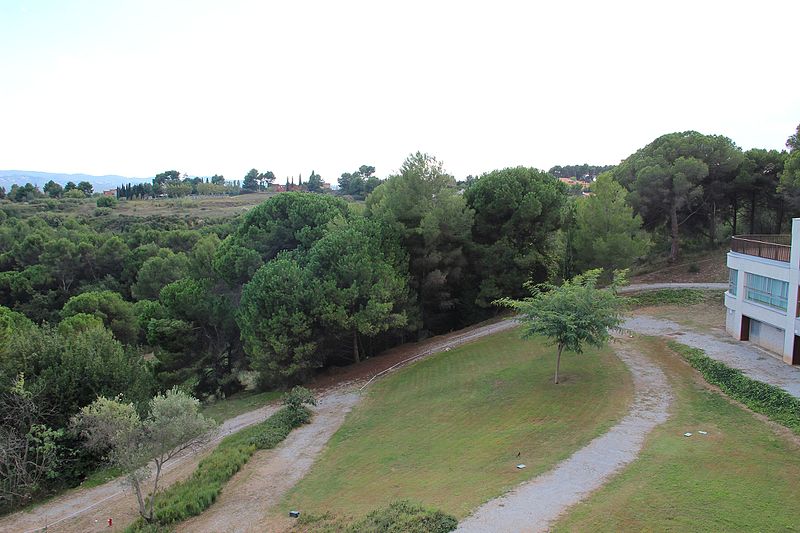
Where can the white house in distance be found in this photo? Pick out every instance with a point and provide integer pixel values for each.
(762, 299)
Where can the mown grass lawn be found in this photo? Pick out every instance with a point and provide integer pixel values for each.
(239, 403)
(742, 476)
(446, 431)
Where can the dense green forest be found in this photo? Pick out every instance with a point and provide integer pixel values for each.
(93, 305)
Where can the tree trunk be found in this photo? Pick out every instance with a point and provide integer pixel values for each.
(356, 357)
(155, 489)
(712, 233)
(779, 217)
(558, 362)
(137, 489)
(674, 250)
(735, 206)
(753, 214)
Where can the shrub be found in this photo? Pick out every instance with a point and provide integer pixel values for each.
(694, 268)
(774, 402)
(74, 194)
(107, 201)
(296, 398)
(405, 517)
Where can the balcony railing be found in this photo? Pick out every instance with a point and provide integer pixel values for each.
(775, 247)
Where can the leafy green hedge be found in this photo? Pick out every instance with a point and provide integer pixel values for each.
(398, 517)
(774, 402)
(196, 494)
(667, 297)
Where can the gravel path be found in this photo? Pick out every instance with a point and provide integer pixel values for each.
(85, 510)
(89, 509)
(254, 490)
(753, 361)
(535, 504)
(247, 501)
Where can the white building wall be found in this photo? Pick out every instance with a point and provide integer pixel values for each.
(779, 328)
(731, 325)
(767, 336)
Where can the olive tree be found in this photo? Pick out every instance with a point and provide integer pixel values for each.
(174, 424)
(571, 315)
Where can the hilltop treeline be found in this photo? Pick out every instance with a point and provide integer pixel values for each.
(98, 305)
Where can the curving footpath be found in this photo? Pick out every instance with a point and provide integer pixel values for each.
(82, 510)
(88, 509)
(535, 504)
(753, 361)
(247, 499)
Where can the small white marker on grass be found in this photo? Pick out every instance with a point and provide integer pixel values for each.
(520, 466)
(703, 432)
(687, 434)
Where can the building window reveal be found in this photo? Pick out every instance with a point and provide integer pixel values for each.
(767, 291)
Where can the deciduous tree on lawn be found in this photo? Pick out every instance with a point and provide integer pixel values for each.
(572, 315)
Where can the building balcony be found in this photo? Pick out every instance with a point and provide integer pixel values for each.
(775, 247)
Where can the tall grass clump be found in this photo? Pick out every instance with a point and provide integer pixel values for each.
(398, 517)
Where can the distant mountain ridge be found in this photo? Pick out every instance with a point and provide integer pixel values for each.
(21, 177)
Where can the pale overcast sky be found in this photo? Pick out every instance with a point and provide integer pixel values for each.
(138, 87)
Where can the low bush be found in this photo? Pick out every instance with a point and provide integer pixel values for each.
(774, 402)
(405, 517)
(666, 297)
(193, 496)
(398, 517)
(107, 201)
(278, 426)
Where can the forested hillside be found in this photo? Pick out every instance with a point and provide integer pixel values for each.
(97, 305)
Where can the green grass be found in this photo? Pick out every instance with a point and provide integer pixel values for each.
(667, 297)
(446, 431)
(239, 403)
(100, 476)
(774, 402)
(742, 476)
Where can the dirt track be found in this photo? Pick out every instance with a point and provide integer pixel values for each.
(247, 497)
(87, 510)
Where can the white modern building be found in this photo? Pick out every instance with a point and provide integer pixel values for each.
(762, 299)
